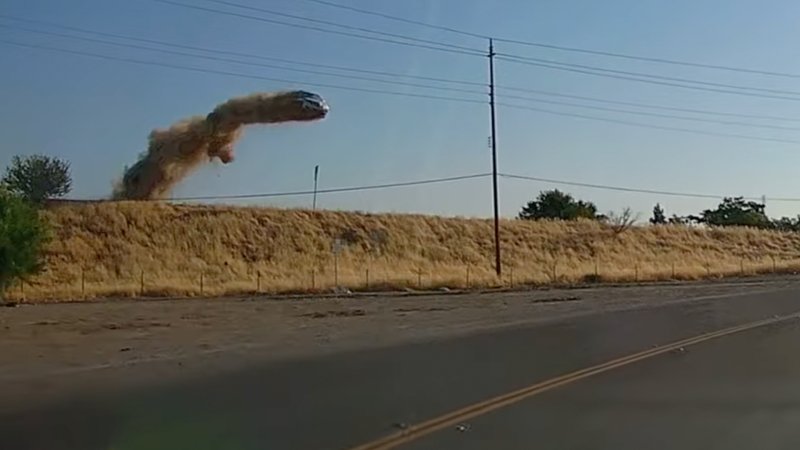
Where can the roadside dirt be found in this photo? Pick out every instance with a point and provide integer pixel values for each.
(52, 350)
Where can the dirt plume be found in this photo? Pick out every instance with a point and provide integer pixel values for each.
(175, 152)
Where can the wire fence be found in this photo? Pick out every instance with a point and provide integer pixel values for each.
(335, 277)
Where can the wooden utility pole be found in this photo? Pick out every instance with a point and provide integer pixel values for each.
(497, 265)
(316, 179)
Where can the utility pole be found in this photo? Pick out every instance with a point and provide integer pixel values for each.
(316, 178)
(497, 265)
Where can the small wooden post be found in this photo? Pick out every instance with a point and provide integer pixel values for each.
(201, 283)
(467, 277)
(596, 268)
(636, 273)
(83, 282)
(511, 275)
(419, 278)
(258, 281)
(673, 270)
(366, 278)
(774, 265)
(335, 270)
(741, 266)
(313, 279)
(141, 284)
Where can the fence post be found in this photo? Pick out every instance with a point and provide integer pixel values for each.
(636, 273)
(596, 268)
(141, 284)
(511, 276)
(83, 282)
(673, 270)
(555, 271)
(313, 279)
(258, 281)
(708, 269)
(774, 266)
(366, 276)
(201, 283)
(22, 289)
(467, 277)
(741, 266)
(335, 270)
(419, 278)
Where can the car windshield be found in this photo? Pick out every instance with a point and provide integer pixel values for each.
(353, 224)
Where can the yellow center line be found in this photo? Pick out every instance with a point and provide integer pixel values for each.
(477, 409)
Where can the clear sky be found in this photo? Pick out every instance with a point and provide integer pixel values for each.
(97, 113)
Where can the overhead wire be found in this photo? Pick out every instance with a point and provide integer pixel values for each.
(651, 59)
(557, 65)
(564, 48)
(516, 58)
(648, 81)
(339, 25)
(235, 74)
(322, 30)
(399, 19)
(336, 190)
(635, 190)
(237, 61)
(647, 105)
(239, 53)
(652, 126)
(651, 114)
(359, 70)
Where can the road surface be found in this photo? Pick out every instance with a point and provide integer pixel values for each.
(737, 391)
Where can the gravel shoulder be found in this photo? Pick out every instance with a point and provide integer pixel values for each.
(51, 351)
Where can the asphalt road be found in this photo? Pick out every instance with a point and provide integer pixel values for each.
(738, 391)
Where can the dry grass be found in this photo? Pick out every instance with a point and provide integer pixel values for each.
(108, 249)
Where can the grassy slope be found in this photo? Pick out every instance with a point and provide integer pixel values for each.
(115, 243)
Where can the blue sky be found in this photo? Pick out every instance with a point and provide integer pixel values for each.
(97, 113)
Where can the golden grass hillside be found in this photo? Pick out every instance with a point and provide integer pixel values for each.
(130, 248)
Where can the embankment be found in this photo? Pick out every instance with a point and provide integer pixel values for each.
(134, 248)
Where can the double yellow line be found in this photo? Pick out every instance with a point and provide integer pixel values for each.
(477, 409)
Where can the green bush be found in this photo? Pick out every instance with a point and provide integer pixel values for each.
(23, 234)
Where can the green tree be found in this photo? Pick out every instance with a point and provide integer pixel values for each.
(38, 177)
(557, 205)
(22, 235)
(659, 218)
(735, 211)
(787, 224)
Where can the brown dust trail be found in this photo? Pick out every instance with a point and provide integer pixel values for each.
(175, 152)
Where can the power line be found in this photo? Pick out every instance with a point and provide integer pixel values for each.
(628, 189)
(440, 47)
(340, 25)
(443, 80)
(509, 57)
(649, 105)
(242, 54)
(651, 59)
(649, 81)
(399, 19)
(652, 114)
(335, 190)
(235, 74)
(652, 126)
(249, 63)
(561, 47)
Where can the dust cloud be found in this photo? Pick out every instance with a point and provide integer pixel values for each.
(175, 152)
